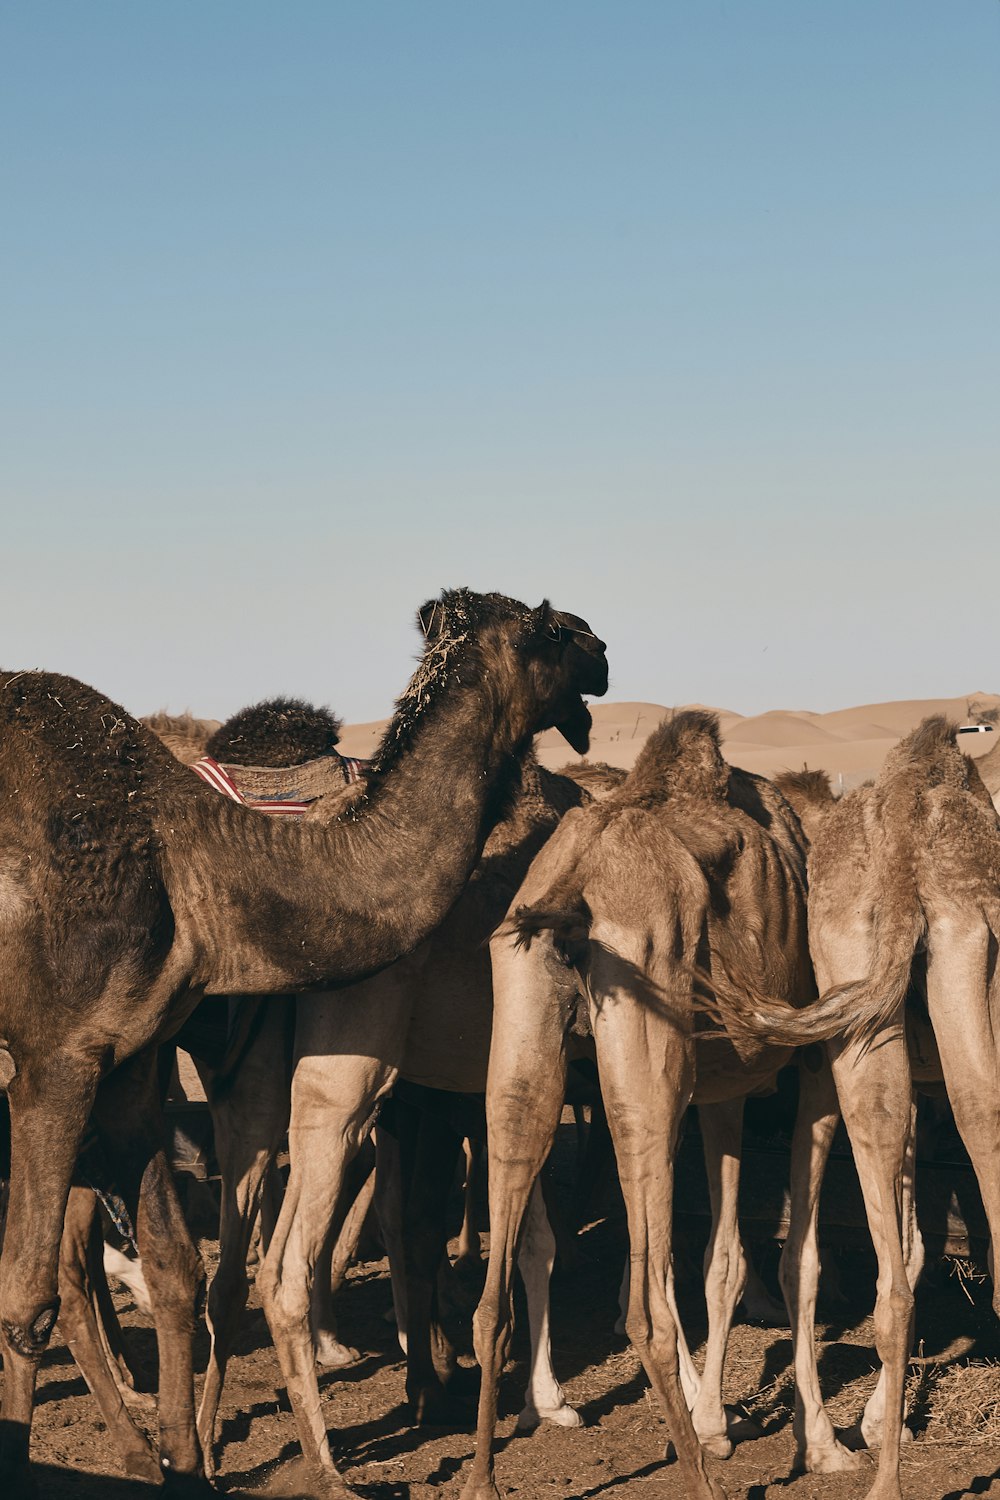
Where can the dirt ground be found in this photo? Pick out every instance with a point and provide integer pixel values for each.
(954, 1397)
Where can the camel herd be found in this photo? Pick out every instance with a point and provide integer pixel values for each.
(447, 920)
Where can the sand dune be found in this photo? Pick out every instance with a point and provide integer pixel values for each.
(850, 743)
(780, 728)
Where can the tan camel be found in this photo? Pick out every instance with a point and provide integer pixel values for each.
(184, 736)
(902, 871)
(250, 1111)
(988, 766)
(128, 893)
(427, 1019)
(688, 866)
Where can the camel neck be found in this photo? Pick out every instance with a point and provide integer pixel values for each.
(273, 905)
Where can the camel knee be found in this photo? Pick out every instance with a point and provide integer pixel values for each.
(893, 1311)
(28, 1334)
(725, 1272)
(654, 1346)
(492, 1326)
(175, 1276)
(798, 1271)
(287, 1300)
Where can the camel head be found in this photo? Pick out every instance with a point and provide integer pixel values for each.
(544, 653)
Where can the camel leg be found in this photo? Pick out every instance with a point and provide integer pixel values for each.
(389, 1209)
(964, 1003)
(524, 1096)
(874, 1088)
(129, 1119)
(428, 1150)
(249, 1119)
(817, 1448)
(690, 1379)
(338, 1252)
(725, 1275)
(50, 1099)
(646, 1078)
(347, 1054)
(100, 1255)
(470, 1250)
(271, 1193)
(544, 1399)
(870, 1427)
(79, 1251)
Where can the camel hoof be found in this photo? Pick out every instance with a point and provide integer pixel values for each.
(740, 1426)
(332, 1354)
(139, 1400)
(433, 1407)
(832, 1458)
(480, 1489)
(560, 1416)
(143, 1465)
(716, 1446)
(300, 1480)
(869, 1435)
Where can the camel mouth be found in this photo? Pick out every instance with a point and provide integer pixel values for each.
(575, 728)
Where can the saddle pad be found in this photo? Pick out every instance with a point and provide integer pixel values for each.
(288, 790)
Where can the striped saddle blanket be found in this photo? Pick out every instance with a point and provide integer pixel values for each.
(289, 790)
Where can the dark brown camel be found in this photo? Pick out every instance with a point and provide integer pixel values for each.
(427, 1018)
(127, 893)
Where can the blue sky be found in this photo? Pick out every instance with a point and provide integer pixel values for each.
(682, 314)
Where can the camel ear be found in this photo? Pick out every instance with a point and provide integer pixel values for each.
(545, 621)
(430, 619)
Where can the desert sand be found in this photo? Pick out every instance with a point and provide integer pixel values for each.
(850, 743)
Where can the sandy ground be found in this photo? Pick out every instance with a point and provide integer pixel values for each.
(954, 1394)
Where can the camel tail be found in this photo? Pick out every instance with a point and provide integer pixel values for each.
(857, 1010)
(562, 911)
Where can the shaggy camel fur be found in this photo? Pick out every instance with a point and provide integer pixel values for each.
(427, 1017)
(904, 878)
(988, 766)
(184, 736)
(687, 866)
(127, 892)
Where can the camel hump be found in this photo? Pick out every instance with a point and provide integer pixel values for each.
(682, 757)
(931, 754)
(809, 794)
(277, 732)
(811, 788)
(184, 735)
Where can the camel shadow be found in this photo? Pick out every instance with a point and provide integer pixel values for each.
(981, 1485)
(57, 1483)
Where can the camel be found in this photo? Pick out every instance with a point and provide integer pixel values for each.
(988, 766)
(903, 872)
(687, 867)
(426, 1019)
(184, 736)
(127, 893)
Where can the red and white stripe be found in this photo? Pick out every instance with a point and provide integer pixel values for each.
(211, 772)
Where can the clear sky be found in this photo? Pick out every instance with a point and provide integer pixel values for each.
(684, 313)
